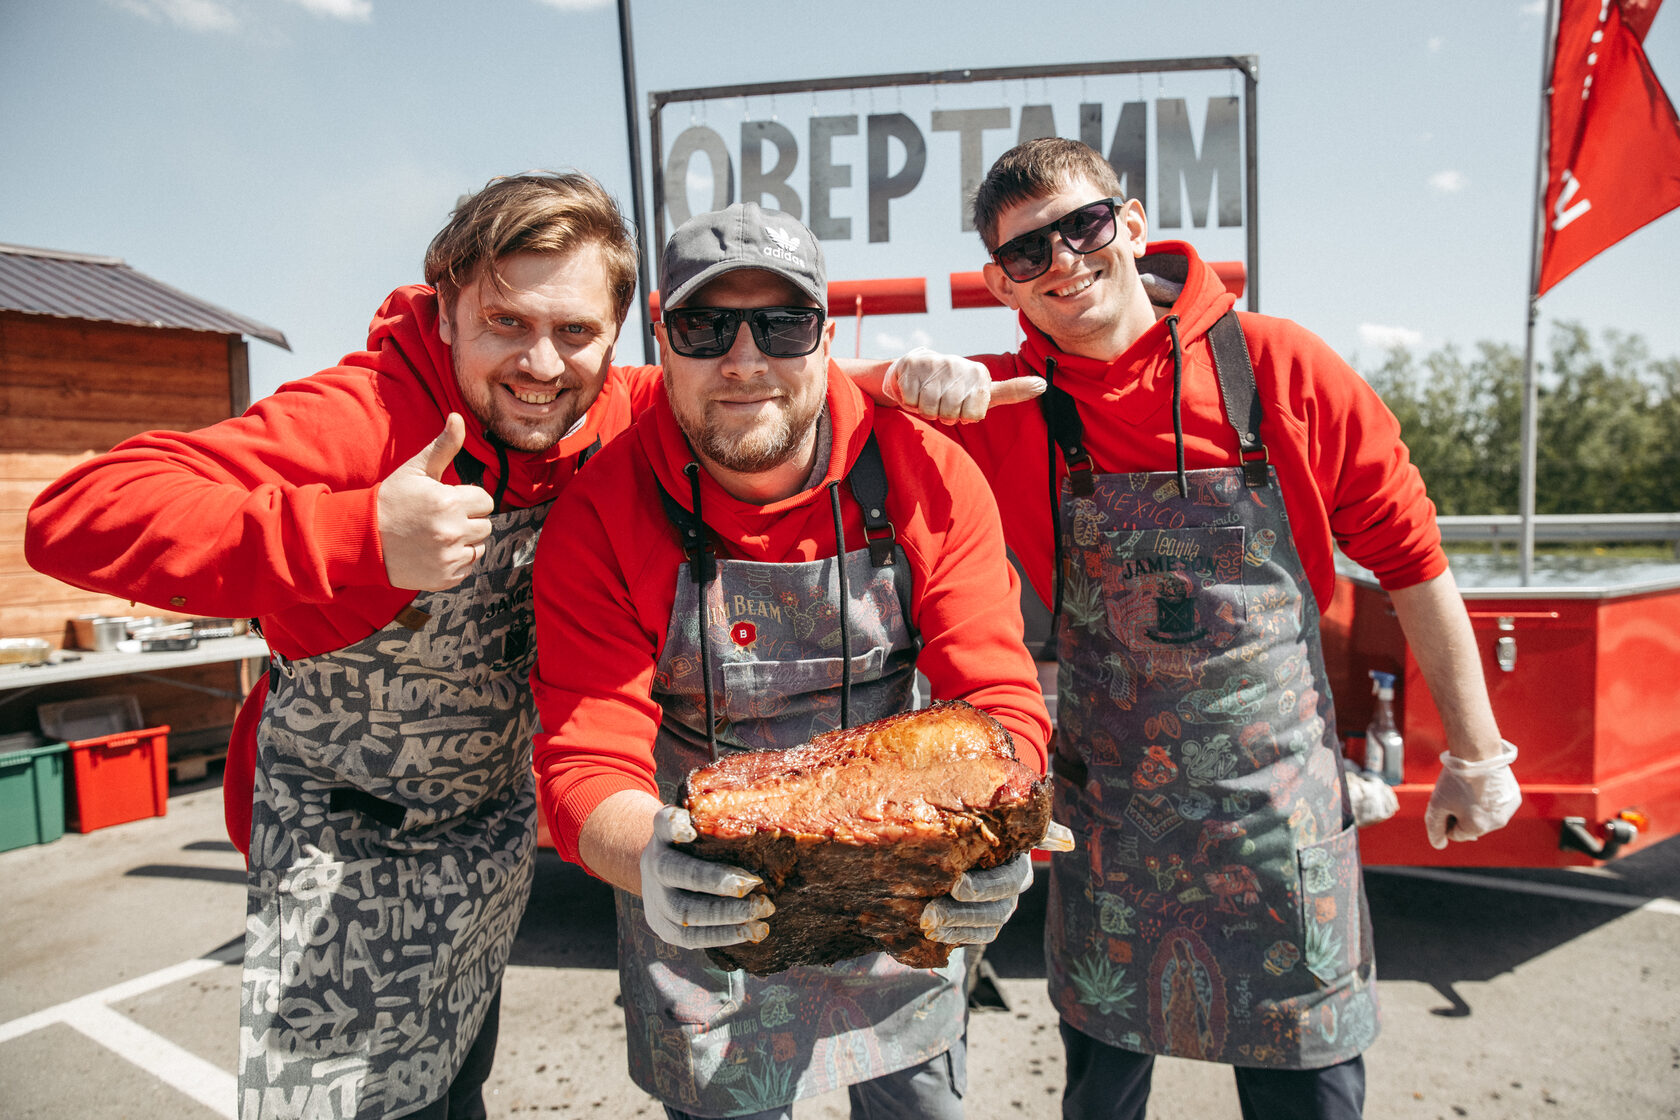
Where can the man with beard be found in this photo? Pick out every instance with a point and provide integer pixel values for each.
(378, 520)
(724, 584)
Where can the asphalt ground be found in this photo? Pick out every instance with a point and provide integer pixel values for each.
(1505, 994)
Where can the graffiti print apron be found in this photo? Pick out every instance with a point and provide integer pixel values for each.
(721, 1043)
(1214, 908)
(392, 848)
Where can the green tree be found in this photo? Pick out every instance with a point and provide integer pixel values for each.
(1608, 427)
(1462, 420)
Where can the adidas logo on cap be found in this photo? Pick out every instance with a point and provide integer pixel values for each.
(785, 245)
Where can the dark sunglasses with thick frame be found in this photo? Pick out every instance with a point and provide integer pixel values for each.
(1085, 230)
(709, 332)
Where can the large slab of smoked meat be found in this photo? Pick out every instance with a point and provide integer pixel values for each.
(854, 832)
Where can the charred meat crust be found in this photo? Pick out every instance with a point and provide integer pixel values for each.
(854, 832)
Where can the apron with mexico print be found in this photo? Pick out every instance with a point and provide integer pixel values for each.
(392, 846)
(1214, 908)
(719, 1043)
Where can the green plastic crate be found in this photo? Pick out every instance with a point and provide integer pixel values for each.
(31, 796)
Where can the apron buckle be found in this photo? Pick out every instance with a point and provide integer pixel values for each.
(881, 548)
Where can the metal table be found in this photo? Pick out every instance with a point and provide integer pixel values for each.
(16, 681)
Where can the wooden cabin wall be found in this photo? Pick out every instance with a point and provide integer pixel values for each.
(71, 388)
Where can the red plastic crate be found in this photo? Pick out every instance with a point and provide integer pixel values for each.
(119, 778)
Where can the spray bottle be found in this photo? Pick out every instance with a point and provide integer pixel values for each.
(1384, 750)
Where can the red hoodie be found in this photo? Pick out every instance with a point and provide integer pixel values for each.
(1346, 477)
(273, 514)
(605, 589)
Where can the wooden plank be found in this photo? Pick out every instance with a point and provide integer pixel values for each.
(239, 375)
(27, 340)
(144, 376)
(51, 615)
(45, 467)
(16, 496)
(29, 588)
(99, 400)
(67, 437)
(11, 554)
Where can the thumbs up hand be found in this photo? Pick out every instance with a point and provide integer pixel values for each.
(432, 533)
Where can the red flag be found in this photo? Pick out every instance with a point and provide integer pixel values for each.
(1614, 141)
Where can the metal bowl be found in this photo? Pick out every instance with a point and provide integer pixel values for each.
(99, 632)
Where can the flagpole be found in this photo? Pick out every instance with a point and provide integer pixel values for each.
(1531, 396)
(627, 56)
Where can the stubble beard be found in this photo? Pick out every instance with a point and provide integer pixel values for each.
(519, 435)
(764, 446)
(528, 437)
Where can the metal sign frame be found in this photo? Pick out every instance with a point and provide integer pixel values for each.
(1247, 65)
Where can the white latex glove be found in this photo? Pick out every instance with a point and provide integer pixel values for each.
(694, 904)
(1373, 799)
(1472, 798)
(982, 901)
(951, 389)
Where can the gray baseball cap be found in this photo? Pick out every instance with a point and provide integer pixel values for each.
(743, 236)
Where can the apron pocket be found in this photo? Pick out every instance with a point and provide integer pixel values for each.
(1330, 899)
(755, 690)
(698, 993)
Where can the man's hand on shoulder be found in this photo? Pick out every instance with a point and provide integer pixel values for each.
(951, 389)
(430, 532)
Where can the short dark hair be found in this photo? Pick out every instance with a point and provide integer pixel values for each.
(1032, 170)
(536, 212)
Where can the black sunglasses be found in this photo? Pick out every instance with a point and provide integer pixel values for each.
(1087, 229)
(709, 332)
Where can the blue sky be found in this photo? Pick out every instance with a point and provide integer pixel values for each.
(290, 159)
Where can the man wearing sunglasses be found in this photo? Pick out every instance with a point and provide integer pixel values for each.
(763, 557)
(1176, 499)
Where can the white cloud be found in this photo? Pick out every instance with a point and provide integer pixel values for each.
(576, 5)
(1447, 182)
(193, 15)
(894, 345)
(1436, 43)
(1381, 337)
(351, 11)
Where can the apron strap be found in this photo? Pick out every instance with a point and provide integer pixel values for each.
(471, 472)
(868, 480)
(691, 535)
(468, 469)
(1241, 399)
(1066, 428)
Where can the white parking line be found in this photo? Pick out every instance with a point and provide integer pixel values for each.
(1549, 890)
(205, 1082)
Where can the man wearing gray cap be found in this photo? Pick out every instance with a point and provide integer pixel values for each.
(737, 573)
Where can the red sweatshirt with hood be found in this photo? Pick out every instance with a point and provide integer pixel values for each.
(605, 589)
(273, 515)
(1346, 477)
